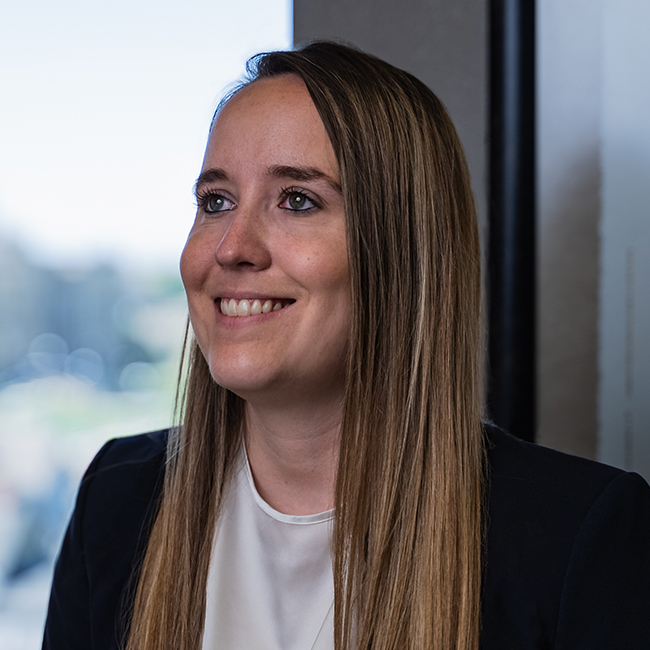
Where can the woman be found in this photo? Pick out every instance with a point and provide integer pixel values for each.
(334, 401)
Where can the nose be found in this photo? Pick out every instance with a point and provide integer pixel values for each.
(244, 244)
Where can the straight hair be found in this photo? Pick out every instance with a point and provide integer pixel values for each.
(408, 526)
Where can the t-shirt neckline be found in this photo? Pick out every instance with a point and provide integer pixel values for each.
(299, 520)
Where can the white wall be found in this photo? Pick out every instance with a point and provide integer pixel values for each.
(594, 229)
(568, 212)
(624, 407)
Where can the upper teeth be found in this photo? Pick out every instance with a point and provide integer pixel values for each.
(245, 307)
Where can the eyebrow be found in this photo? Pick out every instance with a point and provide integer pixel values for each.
(300, 174)
(210, 175)
(303, 174)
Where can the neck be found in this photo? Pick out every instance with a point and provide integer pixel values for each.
(293, 454)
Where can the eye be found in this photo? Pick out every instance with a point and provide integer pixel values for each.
(212, 202)
(297, 201)
(218, 203)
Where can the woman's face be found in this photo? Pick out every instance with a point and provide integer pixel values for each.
(268, 247)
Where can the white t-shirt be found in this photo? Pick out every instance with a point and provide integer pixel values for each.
(270, 585)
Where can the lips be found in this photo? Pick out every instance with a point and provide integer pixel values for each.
(251, 306)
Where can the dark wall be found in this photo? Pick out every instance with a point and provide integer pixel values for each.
(441, 42)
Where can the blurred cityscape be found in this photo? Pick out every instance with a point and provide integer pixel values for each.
(85, 355)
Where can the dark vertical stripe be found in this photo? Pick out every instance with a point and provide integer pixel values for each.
(511, 252)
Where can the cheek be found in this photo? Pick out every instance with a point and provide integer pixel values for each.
(334, 275)
(325, 268)
(194, 271)
(194, 264)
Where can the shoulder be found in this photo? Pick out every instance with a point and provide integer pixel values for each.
(122, 483)
(525, 471)
(129, 452)
(104, 543)
(547, 495)
(566, 546)
(551, 491)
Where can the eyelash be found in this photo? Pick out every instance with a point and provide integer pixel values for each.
(203, 196)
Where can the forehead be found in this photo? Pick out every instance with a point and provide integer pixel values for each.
(287, 90)
(272, 118)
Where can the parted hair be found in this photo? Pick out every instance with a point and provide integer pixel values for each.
(408, 527)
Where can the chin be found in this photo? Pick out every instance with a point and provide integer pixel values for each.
(245, 380)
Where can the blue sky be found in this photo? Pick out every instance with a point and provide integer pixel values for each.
(104, 110)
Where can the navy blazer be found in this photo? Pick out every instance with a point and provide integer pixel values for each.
(566, 566)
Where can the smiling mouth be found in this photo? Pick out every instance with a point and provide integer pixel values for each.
(245, 307)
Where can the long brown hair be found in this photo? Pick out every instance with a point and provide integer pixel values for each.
(407, 537)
